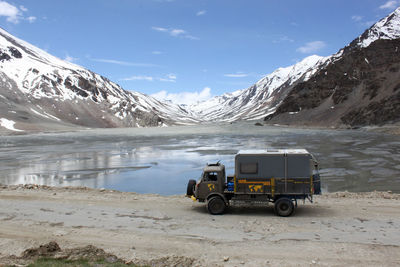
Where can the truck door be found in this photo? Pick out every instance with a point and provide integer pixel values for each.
(209, 184)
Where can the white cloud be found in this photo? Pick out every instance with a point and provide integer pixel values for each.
(191, 37)
(175, 32)
(236, 75)
(13, 13)
(311, 47)
(160, 29)
(171, 76)
(167, 78)
(23, 9)
(201, 13)
(156, 52)
(122, 63)
(31, 19)
(139, 78)
(282, 39)
(356, 18)
(70, 59)
(390, 5)
(184, 97)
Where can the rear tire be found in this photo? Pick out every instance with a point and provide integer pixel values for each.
(216, 205)
(284, 207)
(190, 187)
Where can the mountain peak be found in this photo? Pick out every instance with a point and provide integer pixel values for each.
(293, 72)
(386, 28)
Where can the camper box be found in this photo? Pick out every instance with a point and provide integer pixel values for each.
(273, 171)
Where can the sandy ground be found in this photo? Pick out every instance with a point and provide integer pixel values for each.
(338, 229)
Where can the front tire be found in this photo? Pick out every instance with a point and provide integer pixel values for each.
(284, 207)
(216, 205)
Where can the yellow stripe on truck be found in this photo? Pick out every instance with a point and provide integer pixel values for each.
(266, 183)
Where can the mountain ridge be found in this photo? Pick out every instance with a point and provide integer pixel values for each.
(38, 88)
(241, 104)
(357, 86)
(277, 104)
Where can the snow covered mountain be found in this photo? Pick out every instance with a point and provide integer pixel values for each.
(387, 28)
(358, 86)
(39, 91)
(260, 99)
(347, 88)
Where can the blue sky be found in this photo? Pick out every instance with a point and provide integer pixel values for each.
(189, 50)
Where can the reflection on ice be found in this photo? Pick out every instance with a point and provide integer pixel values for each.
(333, 172)
(384, 172)
(214, 151)
(161, 160)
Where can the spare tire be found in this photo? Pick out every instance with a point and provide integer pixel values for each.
(190, 187)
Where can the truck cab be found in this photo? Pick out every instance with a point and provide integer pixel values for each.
(278, 176)
(212, 181)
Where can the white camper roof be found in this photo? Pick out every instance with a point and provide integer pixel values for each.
(272, 151)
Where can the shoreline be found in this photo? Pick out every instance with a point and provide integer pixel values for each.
(338, 194)
(358, 229)
(390, 129)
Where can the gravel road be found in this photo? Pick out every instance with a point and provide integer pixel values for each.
(337, 229)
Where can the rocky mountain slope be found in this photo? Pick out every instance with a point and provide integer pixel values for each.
(359, 85)
(39, 91)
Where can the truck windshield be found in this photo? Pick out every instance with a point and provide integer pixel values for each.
(210, 176)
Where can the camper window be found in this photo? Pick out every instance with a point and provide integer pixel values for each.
(248, 168)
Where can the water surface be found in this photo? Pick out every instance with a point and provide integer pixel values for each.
(161, 160)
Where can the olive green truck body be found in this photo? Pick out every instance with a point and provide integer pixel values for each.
(278, 176)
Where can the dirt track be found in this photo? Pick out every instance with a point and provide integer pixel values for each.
(339, 229)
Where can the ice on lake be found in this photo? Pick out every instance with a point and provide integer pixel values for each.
(161, 160)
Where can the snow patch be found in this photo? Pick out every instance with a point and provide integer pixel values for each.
(38, 113)
(9, 124)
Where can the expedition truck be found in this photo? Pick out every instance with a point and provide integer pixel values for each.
(278, 176)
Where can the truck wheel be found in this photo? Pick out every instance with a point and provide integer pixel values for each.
(216, 205)
(190, 187)
(284, 207)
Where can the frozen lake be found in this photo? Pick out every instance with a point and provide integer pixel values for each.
(162, 160)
